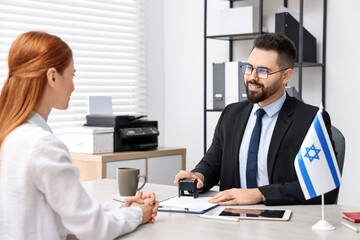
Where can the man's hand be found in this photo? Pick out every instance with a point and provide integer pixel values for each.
(189, 175)
(240, 211)
(237, 196)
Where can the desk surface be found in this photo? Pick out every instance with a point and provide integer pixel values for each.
(189, 226)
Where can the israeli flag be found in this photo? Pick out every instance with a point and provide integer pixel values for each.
(315, 163)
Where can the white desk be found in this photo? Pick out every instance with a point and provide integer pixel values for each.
(189, 226)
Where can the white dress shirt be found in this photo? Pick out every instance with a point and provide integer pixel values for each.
(268, 124)
(41, 196)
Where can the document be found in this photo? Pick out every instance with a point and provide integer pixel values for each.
(100, 105)
(187, 204)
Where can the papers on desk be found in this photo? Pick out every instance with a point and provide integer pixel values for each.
(119, 198)
(186, 205)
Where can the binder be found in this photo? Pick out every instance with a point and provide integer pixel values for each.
(232, 82)
(228, 84)
(287, 25)
(186, 204)
(219, 85)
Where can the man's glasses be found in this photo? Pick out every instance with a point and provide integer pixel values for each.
(261, 72)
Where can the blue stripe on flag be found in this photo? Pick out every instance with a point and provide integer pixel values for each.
(325, 147)
(305, 176)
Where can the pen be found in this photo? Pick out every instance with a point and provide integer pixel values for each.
(169, 208)
(220, 218)
(351, 227)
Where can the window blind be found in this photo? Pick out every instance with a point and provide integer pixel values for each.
(107, 39)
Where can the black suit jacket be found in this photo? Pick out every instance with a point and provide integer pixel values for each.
(221, 161)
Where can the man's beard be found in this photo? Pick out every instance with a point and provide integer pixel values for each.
(256, 97)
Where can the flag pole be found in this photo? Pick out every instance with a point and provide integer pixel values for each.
(322, 207)
(311, 185)
(323, 224)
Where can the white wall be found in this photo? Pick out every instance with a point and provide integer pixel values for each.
(184, 77)
(176, 84)
(175, 77)
(342, 88)
(155, 65)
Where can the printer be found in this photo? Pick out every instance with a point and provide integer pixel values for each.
(130, 132)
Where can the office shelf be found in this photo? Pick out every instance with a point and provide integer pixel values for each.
(214, 110)
(309, 64)
(244, 36)
(249, 36)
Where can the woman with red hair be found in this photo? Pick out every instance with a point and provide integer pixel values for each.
(40, 194)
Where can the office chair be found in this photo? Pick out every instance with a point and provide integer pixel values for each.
(339, 141)
(291, 90)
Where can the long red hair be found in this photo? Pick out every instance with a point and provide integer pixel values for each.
(30, 57)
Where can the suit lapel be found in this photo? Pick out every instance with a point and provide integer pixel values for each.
(282, 124)
(238, 132)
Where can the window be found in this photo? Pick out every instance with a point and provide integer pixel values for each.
(107, 39)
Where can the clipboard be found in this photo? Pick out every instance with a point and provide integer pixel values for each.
(185, 204)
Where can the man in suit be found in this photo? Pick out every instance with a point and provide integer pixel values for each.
(283, 126)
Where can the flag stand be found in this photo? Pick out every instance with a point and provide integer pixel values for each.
(322, 224)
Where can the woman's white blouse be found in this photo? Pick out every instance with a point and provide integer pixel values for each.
(41, 196)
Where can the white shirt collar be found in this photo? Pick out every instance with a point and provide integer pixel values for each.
(272, 108)
(37, 120)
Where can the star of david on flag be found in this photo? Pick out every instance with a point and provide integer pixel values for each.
(315, 163)
(315, 156)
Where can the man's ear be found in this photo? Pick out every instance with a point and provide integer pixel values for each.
(287, 75)
(51, 77)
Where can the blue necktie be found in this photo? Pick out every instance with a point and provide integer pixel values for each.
(251, 166)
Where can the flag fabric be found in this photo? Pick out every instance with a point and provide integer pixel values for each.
(315, 163)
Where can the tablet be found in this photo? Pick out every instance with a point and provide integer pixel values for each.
(254, 214)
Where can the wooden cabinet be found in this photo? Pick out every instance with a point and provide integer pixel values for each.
(159, 166)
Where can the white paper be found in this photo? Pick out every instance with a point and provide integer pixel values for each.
(100, 105)
(119, 198)
(186, 204)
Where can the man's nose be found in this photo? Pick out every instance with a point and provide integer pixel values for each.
(253, 75)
